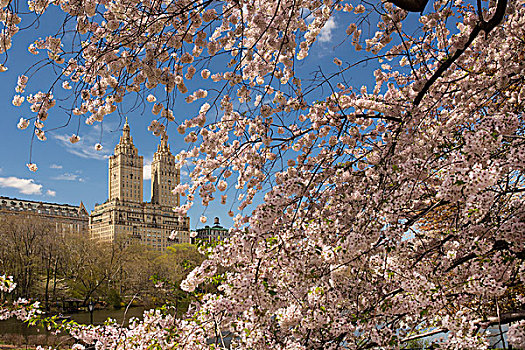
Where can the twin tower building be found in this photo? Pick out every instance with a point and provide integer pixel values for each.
(125, 214)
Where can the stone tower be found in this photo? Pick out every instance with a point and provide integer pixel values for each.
(164, 176)
(124, 216)
(125, 170)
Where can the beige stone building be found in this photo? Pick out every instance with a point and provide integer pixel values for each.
(125, 215)
(66, 218)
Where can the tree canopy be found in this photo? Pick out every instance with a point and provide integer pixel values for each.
(381, 214)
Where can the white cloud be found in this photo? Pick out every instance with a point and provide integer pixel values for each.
(24, 186)
(68, 177)
(56, 166)
(51, 193)
(146, 170)
(325, 35)
(184, 173)
(85, 148)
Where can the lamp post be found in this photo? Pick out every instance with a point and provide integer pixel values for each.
(91, 307)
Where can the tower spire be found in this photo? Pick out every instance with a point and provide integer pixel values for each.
(125, 169)
(126, 132)
(164, 175)
(163, 143)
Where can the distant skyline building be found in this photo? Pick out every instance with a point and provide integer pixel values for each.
(213, 233)
(125, 214)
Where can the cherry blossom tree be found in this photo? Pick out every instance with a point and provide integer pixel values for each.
(366, 217)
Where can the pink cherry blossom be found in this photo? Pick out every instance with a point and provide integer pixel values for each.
(74, 138)
(32, 167)
(363, 216)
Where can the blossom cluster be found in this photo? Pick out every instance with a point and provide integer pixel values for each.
(21, 309)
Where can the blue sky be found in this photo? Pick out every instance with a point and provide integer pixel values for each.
(70, 173)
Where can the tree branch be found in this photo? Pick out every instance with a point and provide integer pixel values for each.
(481, 25)
(379, 116)
(489, 321)
(497, 246)
(411, 5)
